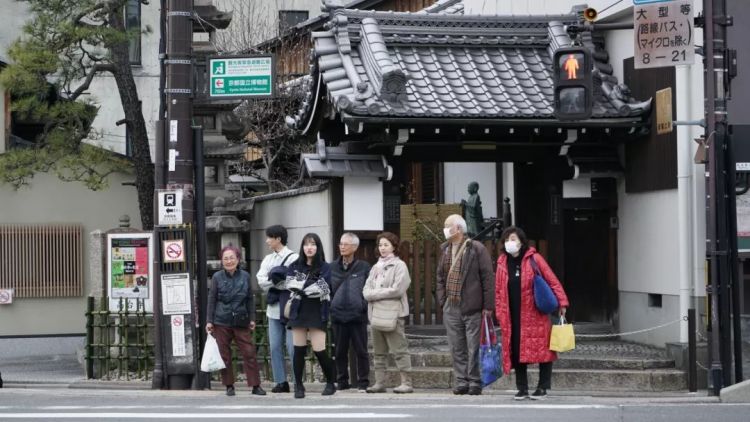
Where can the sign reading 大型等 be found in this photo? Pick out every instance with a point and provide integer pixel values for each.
(238, 77)
(664, 34)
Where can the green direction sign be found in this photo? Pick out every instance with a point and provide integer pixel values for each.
(236, 77)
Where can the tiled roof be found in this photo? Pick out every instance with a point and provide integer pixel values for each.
(433, 65)
(448, 7)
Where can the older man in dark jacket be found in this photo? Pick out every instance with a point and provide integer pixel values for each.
(466, 291)
(349, 312)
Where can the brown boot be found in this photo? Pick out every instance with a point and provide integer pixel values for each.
(379, 386)
(405, 386)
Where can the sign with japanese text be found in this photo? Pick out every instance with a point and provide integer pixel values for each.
(241, 77)
(175, 294)
(664, 34)
(170, 207)
(129, 274)
(664, 111)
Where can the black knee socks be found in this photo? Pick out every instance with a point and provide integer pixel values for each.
(298, 363)
(329, 370)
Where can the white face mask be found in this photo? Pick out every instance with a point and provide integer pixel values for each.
(512, 247)
(447, 233)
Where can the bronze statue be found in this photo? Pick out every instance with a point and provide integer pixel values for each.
(473, 210)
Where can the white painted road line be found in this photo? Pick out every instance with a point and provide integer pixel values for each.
(155, 416)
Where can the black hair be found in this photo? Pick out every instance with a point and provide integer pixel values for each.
(277, 231)
(518, 232)
(320, 256)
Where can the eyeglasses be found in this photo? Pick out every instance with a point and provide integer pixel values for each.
(229, 258)
(346, 244)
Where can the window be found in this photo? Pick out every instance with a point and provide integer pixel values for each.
(289, 18)
(35, 249)
(133, 25)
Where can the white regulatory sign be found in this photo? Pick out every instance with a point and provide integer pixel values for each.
(664, 34)
(175, 294)
(170, 207)
(178, 335)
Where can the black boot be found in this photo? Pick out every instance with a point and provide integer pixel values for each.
(329, 370)
(298, 365)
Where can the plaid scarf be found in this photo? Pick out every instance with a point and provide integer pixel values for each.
(453, 281)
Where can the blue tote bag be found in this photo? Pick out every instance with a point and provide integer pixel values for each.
(490, 353)
(544, 299)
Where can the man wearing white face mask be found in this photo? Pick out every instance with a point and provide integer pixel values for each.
(465, 290)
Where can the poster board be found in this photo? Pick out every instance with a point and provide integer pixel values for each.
(129, 270)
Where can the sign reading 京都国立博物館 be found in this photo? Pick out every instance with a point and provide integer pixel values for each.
(241, 76)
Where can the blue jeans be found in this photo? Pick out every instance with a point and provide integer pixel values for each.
(277, 335)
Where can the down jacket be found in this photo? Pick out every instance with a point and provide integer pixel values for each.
(348, 305)
(535, 326)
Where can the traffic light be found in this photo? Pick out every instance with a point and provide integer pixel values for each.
(573, 86)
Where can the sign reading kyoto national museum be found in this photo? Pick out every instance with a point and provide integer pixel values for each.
(241, 77)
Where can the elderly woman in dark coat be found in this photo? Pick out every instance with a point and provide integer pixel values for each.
(231, 316)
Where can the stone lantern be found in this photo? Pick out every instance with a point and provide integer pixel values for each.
(223, 229)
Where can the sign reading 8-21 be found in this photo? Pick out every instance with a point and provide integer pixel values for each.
(664, 34)
(241, 77)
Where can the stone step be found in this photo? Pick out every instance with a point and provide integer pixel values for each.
(445, 360)
(562, 379)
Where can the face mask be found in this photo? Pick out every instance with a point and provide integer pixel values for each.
(447, 233)
(511, 246)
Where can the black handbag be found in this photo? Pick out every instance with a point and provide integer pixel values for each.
(240, 319)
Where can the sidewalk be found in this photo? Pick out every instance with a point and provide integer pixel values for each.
(64, 371)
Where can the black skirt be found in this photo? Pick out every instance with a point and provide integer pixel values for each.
(309, 315)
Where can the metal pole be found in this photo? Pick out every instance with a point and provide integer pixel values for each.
(711, 226)
(203, 380)
(734, 260)
(179, 156)
(692, 362)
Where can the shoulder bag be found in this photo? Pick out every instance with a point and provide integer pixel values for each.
(544, 298)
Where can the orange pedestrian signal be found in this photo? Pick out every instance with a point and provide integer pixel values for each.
(573, 98)
(571, 66)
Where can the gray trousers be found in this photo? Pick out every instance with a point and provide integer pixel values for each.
(393, 342)
(463, 337)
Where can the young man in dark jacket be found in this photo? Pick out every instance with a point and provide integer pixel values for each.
(349, 312)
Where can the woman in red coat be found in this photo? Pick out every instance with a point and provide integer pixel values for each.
(525, 330)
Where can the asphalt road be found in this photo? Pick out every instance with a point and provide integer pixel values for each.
(62, 404)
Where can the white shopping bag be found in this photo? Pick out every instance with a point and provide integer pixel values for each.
(211, 357)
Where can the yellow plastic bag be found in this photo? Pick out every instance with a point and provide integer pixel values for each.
(562, 338)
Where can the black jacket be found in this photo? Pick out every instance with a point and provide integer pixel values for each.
(347, 303)
(229, 294)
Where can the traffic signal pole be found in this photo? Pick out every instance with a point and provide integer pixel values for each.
(721, 242)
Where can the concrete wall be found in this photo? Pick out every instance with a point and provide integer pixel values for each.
(256, 21)
(53, 201)
(15, 14)
(104, 92)
(301, 214)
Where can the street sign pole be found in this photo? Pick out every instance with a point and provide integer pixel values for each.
(177, 341)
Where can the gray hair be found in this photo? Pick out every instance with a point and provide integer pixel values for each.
(352, 237)
(459, 221)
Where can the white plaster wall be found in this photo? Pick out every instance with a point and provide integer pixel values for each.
(457, 177)
(15, 14)
(363, 204)
(300, 215)
(53, 201)
(646, 242)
